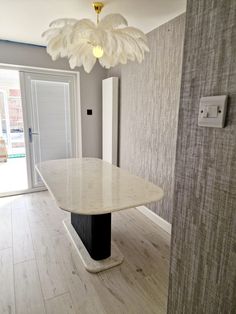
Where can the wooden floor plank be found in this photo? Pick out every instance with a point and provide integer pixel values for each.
(79, 281)
(43, 211)
(139, 252)
(60, 305)
(57, 275)
(5, 224)
(7, 294)
(126, 292)
(22, 241)
(49, 267)
(29, 297)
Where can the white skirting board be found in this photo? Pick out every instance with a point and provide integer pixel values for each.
(155, 218)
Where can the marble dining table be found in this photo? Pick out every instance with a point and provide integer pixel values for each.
(91, 189)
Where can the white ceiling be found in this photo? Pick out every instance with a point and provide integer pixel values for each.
(25, 20)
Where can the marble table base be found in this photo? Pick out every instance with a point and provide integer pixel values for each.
(91, 265)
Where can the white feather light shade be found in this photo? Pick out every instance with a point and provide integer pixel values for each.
(111, 41)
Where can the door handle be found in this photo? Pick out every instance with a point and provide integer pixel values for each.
(31, 135)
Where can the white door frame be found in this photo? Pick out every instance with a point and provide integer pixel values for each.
(76, 123)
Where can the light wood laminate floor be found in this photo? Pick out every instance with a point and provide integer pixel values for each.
(40, 271)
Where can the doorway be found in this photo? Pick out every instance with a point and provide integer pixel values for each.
(13, 165)
(39, 121)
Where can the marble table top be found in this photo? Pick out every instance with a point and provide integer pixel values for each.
(92, 186)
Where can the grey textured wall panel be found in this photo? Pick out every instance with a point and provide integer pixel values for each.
(203, 253)
(149, 111)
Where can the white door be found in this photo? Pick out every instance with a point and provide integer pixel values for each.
(49, 108)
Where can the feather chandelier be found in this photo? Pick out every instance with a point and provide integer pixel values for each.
(110, 40)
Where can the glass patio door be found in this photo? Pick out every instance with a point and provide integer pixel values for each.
(13, 165)
(49, 105)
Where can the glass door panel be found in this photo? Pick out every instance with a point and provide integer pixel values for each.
(48, 99)
(13, 169)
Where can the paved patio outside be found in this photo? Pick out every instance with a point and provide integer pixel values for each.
(13, 175)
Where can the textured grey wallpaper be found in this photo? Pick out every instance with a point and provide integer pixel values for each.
(149, 111)
(203, 253)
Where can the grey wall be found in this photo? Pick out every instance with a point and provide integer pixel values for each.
(203, 253)
(149, 111)
(91, 88)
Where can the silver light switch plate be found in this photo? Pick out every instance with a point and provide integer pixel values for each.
(212, 111)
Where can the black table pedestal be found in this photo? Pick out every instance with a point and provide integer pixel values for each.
(95, 233)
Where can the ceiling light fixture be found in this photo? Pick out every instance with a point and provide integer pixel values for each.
(110, 40)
